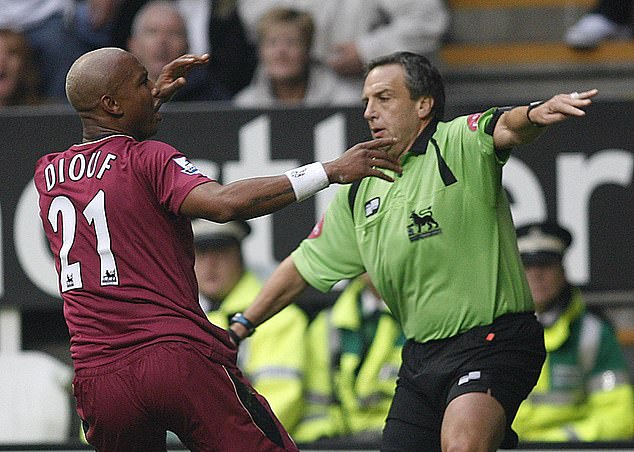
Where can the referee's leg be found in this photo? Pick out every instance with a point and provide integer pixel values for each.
(411, 424)
(474, 421)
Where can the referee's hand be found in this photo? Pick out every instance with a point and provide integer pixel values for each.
(237, 336)
(561, 107)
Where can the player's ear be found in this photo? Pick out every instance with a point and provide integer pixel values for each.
(425, 105)
(110, 105)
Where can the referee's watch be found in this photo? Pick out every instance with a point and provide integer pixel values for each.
(242, 320)
(532, 105)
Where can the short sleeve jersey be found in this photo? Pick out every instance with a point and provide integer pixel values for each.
(123, 253)
(438, 242)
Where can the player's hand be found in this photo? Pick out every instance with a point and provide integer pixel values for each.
(172, 76)
(562, 106)
(362, 160)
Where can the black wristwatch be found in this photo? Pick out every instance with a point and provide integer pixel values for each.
(532, 105)
(242, 320)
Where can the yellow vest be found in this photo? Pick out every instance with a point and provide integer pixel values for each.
(348, 392)
(583, 392)
(274, 358)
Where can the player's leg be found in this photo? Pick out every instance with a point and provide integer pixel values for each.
(217, 409)
(111, 404)
(138, 438)
(473, 422)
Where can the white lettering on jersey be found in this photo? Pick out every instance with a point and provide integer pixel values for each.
(77, 169)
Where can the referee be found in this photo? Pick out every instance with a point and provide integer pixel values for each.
(440, 246)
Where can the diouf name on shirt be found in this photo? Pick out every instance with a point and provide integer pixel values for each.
(77, 168)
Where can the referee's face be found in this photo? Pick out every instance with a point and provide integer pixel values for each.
(389, 110)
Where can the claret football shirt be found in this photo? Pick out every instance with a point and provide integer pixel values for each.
(123, 253)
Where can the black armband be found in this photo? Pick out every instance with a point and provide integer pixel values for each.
(499, 111)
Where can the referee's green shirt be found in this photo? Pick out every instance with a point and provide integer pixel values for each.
(439, 243)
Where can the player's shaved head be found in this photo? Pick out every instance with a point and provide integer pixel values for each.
(96, 73)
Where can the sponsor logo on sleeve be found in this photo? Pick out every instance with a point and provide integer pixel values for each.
(316, 232)
(472, 121)
(187, 167)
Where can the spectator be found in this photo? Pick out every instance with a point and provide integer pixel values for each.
(349, 34)
(213, 27)
(272, 359)
(584, 392)
(355, 353)
(611, 19)
(233, 56)
(286, 75)
(54, 34)
(159, 35)
(19, 78)
(93, 21)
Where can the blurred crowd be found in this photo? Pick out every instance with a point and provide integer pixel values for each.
(263, 53)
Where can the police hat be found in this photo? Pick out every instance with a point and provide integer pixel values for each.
(208, 234)
(542, 243)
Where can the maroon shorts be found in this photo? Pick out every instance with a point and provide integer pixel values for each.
(129, 406)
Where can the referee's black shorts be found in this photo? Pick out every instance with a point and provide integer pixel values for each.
(505, 357)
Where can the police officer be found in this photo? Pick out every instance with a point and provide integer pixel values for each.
(273, 359)
(584, 392)
(355, 353)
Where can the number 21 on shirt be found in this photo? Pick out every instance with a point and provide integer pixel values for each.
(95, 215)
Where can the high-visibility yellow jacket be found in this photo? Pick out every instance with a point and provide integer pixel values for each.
(274, 357)
(354, 362)
(584, 392)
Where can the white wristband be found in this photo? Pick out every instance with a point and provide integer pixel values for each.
(307, 180)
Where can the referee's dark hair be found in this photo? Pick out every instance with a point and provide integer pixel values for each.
(421, 77)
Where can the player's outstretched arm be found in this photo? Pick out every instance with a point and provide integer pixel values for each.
(172, 76)
(523, 124)
(280, 290)
(254, 197)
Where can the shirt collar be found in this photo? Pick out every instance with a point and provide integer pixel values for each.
(420, 144)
